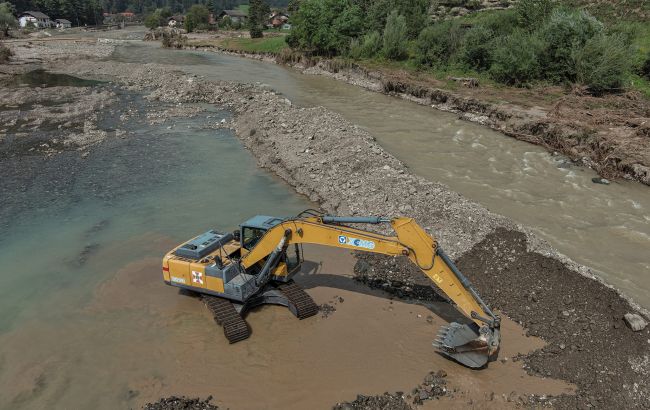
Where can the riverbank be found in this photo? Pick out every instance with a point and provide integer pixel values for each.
(610, 134)
(341, 166)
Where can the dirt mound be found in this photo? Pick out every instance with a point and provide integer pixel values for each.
(181, 403)
(582, 320)
(385, 401)
(432, 387)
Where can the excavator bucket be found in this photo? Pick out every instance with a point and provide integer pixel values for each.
(463, 344)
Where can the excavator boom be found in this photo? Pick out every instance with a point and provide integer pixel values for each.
(471, 344)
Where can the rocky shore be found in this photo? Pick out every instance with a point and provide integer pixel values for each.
(341, 167)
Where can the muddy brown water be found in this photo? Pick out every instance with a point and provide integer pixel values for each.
(604, 227)
(135, 339)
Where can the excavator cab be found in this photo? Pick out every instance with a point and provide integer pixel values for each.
(253, 229)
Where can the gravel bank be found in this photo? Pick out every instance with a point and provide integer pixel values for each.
(340, 166)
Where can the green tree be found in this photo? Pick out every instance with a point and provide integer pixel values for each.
(152, 21)
(395, 36)
(198, 16)
(325, 27)
(258, 14)
(293, 6)
(7, 19)
(414, 11)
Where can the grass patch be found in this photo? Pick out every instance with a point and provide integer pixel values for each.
(272, 45)
(639, 83)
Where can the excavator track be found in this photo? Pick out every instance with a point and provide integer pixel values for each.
(234, 326)
(299, 300)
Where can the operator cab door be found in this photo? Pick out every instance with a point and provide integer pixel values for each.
(251, 236)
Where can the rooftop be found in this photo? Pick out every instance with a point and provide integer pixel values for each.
(36, 14)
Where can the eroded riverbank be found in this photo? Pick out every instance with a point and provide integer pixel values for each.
(341, 166)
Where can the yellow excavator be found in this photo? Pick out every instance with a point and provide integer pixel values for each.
(254, 265)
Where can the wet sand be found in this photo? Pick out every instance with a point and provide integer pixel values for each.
(141, 340)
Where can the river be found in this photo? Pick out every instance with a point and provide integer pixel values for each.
(87, 322)
(604, 227)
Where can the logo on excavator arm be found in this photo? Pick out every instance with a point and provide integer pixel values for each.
(359, 243)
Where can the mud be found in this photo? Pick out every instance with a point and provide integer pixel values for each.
(341, 167)
(164, 343)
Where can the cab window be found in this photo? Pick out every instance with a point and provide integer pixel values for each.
(251, 236)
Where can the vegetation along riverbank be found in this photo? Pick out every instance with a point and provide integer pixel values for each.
(571, 77)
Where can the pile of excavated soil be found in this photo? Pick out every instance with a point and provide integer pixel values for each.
(340, 166)
(181, 403)
(582, 321)
(433, 387)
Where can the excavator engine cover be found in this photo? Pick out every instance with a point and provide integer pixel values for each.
(202, 245)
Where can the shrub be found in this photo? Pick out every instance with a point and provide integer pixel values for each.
(645, 68)
(7, 19)
(226, 22)
(371, 44)
(516, 59)
(475, 48)
(355, 48)
(5, 53)
(502, 22)
(602, 63)
(173, 39)
(437, 43)
(563, 32)
(395, 36)
(531, 12)
(414, 11)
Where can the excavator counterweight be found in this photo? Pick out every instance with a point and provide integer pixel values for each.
(255, 264)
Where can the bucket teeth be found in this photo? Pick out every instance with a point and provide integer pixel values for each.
(462, 343)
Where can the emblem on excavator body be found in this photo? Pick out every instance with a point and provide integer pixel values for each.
(197, 277)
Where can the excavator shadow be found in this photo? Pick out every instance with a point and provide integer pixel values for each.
(311, 276)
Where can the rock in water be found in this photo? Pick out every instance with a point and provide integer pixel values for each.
(600, 181)
(635, 321)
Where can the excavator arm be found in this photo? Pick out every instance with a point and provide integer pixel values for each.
(472, 345)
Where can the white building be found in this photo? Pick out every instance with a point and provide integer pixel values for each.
(37, 18)
(62, 23)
